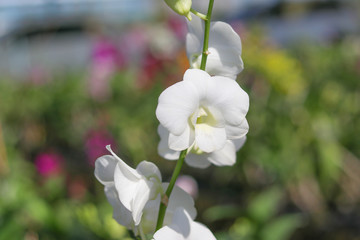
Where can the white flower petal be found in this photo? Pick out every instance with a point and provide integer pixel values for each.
(197, 160)
(194, 37)
(227, 44)
(141, 197)
(120, 213)
(183, 228)
(225, 156)
(179, 198)
(199, 78)
(209, 138)
(227, 96)
(149, 170)
(236, 132)
(126, 186)
(224, 47)
(176, 104)
(163, 147)
(167, 233)
(128, 171)
(104, 169)
(182, 141)
(239, 142)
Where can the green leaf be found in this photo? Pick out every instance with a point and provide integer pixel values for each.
(281, 228)
(265, 205)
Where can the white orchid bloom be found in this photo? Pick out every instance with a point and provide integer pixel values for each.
(223, 157)
(224, 57)
(183, 228)
(105, 171)
(134, 187)
(203, 112)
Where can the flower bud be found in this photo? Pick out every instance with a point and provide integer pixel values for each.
(181, 7)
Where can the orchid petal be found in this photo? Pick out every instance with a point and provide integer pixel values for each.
(183, 228)
(182, 141)
(236, 132)
(120, 213)
(225, 156)
(197, 160)
(209, 138)
(149, 170)
(104, 169)
(176, 104)
(234, 105)
(163, 147)
(224, 48)
(142, 195)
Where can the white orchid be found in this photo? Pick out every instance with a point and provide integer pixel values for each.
(105, 172)
(134, 187)
(224, 57)
(183, 228)
(203, 112)
(223, 157)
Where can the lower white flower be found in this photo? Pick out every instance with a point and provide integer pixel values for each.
(183, 227)
(134, 187)
(105, 168)
(197, 158)
(203, 111)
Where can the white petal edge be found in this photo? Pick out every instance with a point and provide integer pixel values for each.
(105, 168)
(175, 106)
(163, 147)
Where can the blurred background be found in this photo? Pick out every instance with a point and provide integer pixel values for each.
(76, 75)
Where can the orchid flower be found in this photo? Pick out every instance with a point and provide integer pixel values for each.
(105, 171)
(224, 57)
(223, 157)
(134, 187)
(203, 112)
(183, 227)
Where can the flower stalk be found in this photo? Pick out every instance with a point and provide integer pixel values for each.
(200, 15)
(175, 175)
(205, 51)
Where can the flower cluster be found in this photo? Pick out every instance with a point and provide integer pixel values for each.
(202, 122)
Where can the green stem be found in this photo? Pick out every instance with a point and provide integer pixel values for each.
(205, 52)
(169, 189)
(200, 15)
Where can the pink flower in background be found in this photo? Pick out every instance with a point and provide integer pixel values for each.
(150, 67)
(188, 184)
(95, 144)
(49, 164)
(106, 60)
(105, 52)
(177, 26)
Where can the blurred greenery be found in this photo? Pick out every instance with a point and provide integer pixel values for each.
(297, 176)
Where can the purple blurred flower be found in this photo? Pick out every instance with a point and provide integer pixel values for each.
(106, 60)
(188, 184)
(48, 164)
(95, 144)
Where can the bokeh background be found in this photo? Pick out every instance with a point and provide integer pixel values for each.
(76, 75)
